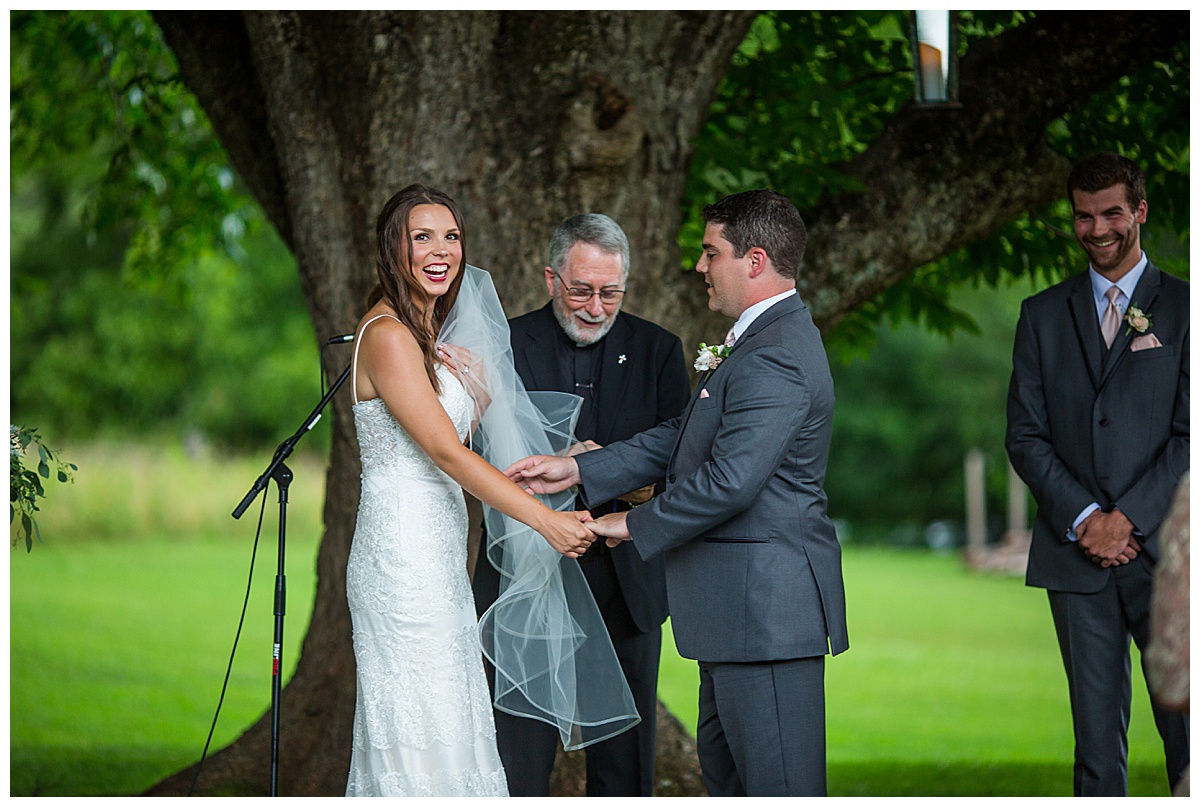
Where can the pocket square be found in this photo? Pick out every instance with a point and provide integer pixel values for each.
(1144, 342)
(704, 394)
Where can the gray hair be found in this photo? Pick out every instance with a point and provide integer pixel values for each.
(590, 228)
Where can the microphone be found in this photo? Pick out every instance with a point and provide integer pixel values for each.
(341, 340)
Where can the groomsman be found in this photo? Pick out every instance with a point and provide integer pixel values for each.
(631, 375)
(1098, 427)
(754, 577)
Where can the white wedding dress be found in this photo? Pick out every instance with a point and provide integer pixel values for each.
(423, 721)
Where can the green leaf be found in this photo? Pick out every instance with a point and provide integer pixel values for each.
(888, 28)
(44, 469)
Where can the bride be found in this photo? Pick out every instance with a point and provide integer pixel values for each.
(432, 369)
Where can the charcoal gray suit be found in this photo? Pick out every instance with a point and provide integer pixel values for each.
(1088, 424)
(754, 579)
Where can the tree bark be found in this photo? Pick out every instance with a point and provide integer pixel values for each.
(528, 117)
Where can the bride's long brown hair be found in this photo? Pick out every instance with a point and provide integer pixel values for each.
(393, 265)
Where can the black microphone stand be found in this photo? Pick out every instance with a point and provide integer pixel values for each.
(282, 475)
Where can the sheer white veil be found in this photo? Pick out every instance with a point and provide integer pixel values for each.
(554, 660)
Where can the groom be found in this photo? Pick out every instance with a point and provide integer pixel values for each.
(754, 580)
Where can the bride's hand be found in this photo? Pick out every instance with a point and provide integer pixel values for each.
(471, 372)
(566, 532)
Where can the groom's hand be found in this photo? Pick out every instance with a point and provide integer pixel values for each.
(612, 528)
(544, 474)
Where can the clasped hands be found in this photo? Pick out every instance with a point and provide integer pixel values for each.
(1107, 538)
(544, 474)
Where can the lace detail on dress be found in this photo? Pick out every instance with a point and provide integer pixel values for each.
(445, 703)
(477, 783)
(384, 444)
(423, 715)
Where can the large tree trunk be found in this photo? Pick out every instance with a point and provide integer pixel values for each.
(525, 118)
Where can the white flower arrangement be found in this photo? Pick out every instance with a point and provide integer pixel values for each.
(709, 357)
(1137, 320)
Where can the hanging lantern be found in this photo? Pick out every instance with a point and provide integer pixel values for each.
(933, 36)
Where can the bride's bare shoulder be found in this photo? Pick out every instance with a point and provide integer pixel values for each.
(380, 328)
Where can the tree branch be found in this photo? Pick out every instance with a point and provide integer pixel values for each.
(939, 179)
(213, 51)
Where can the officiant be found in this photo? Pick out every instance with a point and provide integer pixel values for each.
(631, 375)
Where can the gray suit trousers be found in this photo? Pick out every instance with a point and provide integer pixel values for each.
(761, 730)
(1093, 635)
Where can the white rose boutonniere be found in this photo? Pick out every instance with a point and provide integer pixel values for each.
(1137, 320)
(709, 357)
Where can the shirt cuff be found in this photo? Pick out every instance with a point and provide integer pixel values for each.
(1087, 511)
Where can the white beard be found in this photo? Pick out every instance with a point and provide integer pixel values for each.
(566, 321)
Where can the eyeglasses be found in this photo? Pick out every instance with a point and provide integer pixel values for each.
(579, 295)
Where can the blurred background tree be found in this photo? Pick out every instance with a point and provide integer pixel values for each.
(149, 298)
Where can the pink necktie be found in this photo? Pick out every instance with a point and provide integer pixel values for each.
(729, 338)
(1111, 323)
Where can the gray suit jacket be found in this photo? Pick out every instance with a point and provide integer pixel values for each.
(753, 563)
(1086, 423)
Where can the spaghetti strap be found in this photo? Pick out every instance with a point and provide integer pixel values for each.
(354, 361)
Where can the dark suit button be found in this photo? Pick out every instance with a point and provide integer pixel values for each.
(1103, 421)
(671, 478)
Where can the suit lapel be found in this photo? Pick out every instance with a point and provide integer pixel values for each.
(540, 353)
(1143, 297)
(683, 421)
(1087, 327)
(612, 378)
(786, 306)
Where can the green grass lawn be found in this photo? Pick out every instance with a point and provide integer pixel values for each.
(120, 630)
(123, 619)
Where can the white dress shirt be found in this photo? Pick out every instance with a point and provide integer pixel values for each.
(750, 314)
